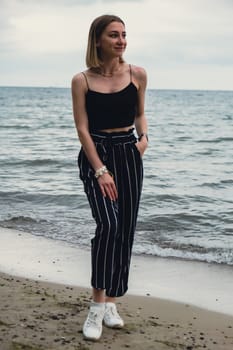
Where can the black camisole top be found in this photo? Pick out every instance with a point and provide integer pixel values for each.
(111, 110)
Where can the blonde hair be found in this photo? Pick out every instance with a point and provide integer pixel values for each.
(93, 59)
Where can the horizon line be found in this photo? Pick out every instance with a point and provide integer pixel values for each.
(150, 88)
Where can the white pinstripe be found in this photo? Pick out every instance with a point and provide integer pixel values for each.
(120, 235)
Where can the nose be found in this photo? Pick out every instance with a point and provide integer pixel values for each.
(121, 39)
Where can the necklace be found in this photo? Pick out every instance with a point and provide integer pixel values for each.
(109, 75)
(106, 75)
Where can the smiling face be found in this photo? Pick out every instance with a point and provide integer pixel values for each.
(112, 42)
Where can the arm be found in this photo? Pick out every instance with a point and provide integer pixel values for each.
(79, 90)
(140, 120)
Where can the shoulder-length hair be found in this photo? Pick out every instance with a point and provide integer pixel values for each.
(93, 59)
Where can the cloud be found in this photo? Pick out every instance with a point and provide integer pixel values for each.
(33, 27)
(163, 36)
(40, 29)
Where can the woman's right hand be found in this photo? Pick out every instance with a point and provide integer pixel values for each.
(107, 186)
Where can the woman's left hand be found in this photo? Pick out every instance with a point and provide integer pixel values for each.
(141, 146)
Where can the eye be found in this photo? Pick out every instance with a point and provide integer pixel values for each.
(113, 35)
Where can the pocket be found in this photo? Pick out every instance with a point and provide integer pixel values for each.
(79, 157)
(136, 150)
(85, 169)
(80, 163)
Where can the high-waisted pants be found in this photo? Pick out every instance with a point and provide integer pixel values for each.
(111, 246)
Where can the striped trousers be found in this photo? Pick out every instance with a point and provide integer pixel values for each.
(111, 246)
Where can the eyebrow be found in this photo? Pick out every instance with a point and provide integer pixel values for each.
(116, 31)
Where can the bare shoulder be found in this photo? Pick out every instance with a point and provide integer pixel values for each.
(140, 76)
(78, 82)
(139, 72)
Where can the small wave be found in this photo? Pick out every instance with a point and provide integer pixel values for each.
(201, 199)
(183, 138)
(45, 198)
(220, 256)
(27, 224)
(228, 117)
(217, 140)
(34, 162)
(173, 220)
(220, 184)
(21, 220)
(169, 198)
(211, 184)
(16, 127)
(227, 182)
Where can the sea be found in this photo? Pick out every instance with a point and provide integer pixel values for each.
(186, 209)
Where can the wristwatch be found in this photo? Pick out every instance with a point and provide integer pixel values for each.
(143, 134)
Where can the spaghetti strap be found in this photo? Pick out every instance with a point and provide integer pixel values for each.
(85, 79)
(130, 72)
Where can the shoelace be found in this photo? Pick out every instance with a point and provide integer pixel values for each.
(113, 311)
(93, 319)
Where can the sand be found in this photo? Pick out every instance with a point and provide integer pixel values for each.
(208, 286)
(172, 304)
(41, 315)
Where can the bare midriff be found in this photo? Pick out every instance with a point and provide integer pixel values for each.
(127, 128)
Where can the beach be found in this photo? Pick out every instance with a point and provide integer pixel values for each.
(181, 273)
(42, 315)
(45, 295)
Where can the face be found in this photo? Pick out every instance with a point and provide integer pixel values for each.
(112, 42)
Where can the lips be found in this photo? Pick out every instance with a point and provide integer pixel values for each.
(120, 48)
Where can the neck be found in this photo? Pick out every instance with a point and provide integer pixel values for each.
(108, 69)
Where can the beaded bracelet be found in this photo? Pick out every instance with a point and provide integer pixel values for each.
(101, 171)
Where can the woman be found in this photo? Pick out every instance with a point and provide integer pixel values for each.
(108, 101)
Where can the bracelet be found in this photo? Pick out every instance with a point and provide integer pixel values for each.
(143, 134)
(101, 171)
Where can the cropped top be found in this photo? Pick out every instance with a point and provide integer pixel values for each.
(111, 110)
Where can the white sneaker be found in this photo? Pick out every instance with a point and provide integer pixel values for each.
(92, 328)
(111, 317)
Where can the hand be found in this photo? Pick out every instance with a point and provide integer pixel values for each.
(107, 186)
(141, 146)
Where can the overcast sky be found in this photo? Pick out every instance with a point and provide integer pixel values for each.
(183, 44)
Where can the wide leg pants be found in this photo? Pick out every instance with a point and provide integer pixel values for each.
(111, 246)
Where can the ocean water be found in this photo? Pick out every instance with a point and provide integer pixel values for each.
(186, 208)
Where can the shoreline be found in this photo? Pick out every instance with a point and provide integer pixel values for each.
(39, 258)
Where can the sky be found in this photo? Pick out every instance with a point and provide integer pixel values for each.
(182, 44)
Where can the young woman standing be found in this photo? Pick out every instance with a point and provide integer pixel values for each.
(108, 102)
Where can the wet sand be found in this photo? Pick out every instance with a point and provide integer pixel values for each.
(208, 286)
(41, 315)
(44, 300)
